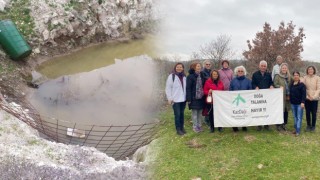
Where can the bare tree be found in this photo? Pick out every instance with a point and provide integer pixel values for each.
(216, 50)
(195, 55)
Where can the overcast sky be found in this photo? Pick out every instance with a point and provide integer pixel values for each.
(190, 23)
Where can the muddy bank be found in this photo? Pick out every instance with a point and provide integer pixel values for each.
(65, 26)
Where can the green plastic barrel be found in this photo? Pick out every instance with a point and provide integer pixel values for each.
(12, 41)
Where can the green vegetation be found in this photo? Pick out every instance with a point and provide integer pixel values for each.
(242, 155)
(19, 13)
(73, 4)
(7, 67)
(33, 142)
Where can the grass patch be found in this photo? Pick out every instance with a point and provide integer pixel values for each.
(33, 142)
(8, 66)
(19, 13)
(228, 155)
(73, 4)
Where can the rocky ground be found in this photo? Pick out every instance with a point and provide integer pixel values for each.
(24, 155)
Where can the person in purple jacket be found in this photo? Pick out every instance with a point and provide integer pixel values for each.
(225, 74)
(240, 82)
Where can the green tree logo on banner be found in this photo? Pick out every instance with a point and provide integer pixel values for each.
(238, 99)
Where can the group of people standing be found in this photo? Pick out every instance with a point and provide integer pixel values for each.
(193, 90)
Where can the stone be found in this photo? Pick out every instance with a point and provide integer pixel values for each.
(36, 50)
(122, 3)
(46, 35)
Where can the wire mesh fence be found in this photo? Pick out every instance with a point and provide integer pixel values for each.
(116, 141)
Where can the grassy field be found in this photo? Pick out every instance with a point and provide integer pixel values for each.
(228, 155)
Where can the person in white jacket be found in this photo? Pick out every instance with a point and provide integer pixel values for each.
(176, 95)
(276, 68)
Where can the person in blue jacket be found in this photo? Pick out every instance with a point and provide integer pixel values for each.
(238, 83)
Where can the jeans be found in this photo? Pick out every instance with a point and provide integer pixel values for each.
(311, 108)
(196, 115)
(297, 112)
(178, 109)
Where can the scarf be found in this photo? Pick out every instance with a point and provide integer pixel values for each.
(199, 89)
(286, 81)
(180, 75)
(215, 82)
(240, 78)
(206, 72)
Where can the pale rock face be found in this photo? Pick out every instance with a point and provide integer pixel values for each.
(86, 17)
(3, 4)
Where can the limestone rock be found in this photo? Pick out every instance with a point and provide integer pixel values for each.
(23, 154)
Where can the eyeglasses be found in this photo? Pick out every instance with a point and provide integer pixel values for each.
(207, 64)
(240, 71)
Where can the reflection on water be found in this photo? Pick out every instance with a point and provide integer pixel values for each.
(119, 94)
(97, 56)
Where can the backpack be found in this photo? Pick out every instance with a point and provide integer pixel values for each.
(173, 77)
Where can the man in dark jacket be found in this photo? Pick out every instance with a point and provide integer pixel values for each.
(262, 79)
(206, 69)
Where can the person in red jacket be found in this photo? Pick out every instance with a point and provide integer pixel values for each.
(213, 84)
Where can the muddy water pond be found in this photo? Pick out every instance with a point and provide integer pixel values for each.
(118, 94)
(97, 56)
(104, 93)
(89, 87)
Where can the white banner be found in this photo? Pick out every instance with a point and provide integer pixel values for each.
(248, 108)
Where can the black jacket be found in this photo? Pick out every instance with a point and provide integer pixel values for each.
(191, 90)
(263, 82)
(206, 73)
(297, 93)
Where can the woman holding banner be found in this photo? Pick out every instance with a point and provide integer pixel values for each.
(240, 82)
(312, 82)
(297, 100)
(176, 95)
(195, 97)
(283, 80)
(213, 84)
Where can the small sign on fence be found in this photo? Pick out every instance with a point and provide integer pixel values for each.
(76, 133)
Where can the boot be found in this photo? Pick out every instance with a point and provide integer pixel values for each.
(284, 127)
(184, 131)
(180, 133)
(259, 128)
(308, 129)
(235, 129)
(211, 129)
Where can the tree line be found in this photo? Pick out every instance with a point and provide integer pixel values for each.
(267, 45)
